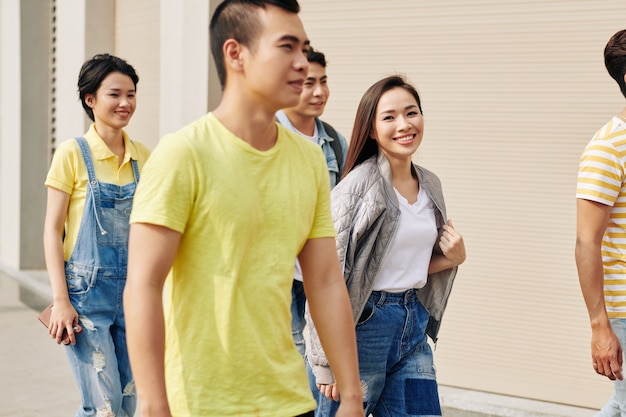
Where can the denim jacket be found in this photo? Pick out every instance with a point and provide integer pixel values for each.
(335, 168)
(366, 214)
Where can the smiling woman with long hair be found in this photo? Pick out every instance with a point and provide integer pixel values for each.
(399, 253)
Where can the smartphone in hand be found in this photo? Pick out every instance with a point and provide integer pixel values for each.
(44, 318)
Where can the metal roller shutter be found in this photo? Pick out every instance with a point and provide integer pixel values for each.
(512, 92)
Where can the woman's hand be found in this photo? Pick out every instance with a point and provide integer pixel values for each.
(348, 407)
(452, 245)
(64, 323)
(330, 391)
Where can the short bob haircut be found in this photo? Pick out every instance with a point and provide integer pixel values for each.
(239, 20)
(615, 59)
(362, 146)
(95, 70)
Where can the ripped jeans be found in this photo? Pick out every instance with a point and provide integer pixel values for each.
(99, 359)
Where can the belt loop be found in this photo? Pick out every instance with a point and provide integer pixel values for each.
(381, 300)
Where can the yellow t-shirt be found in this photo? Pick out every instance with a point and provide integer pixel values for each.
(245, 215)
(68, 173)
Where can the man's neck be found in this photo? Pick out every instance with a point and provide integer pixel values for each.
(304, 124)
(622, 115)
(254, 125)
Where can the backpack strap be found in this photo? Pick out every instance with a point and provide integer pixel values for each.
(335, 144)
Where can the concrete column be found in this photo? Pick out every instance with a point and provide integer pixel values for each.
(35, 54)
(215, 88)
(184, 62)
(24, 99)
(83, 29)
(10, 132)
(70, 119)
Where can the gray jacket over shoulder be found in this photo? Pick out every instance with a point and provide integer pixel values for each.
(366, 215)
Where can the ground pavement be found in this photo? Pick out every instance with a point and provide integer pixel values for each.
(35, 377)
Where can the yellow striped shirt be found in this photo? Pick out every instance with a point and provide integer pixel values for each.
(601, 176)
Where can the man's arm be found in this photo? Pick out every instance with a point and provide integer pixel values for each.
(330, 309)
(151, 252)
(592, 219)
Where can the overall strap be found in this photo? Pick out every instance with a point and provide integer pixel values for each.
(135, 166)
(135, 169)
(84, 149)
(92, 184)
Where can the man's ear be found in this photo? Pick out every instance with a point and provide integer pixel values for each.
(233, 52)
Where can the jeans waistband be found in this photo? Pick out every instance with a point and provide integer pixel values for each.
(383, 297)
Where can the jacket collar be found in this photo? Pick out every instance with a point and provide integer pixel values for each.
(282, 118)
(385, 170)
(426, 179)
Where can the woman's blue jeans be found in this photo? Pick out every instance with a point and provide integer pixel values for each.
(395, 359)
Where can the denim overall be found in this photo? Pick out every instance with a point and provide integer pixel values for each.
(96, 275)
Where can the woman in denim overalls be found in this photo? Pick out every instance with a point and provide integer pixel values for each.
(86, 237)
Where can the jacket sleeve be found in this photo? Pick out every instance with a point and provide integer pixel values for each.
(315, 353)
(342, 208)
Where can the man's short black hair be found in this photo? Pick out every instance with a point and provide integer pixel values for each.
(239, 20)
(615, 58)
(314, 56)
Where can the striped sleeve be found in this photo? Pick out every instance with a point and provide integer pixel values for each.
(601, 168)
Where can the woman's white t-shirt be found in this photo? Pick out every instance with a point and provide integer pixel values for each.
(406, 262)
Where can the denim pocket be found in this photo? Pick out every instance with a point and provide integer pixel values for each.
(367, 314)
(79, 278)
(113, 215)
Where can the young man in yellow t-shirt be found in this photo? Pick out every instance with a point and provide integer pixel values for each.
(225, 206)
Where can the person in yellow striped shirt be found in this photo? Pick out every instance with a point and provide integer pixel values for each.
(601, 236)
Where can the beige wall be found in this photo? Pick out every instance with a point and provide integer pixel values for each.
(512, 91)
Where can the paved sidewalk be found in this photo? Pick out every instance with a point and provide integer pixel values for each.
(35, 376)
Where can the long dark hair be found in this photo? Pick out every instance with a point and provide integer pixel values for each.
(362, 146)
